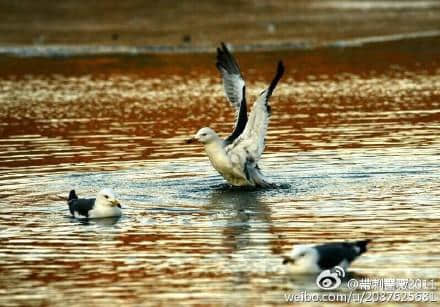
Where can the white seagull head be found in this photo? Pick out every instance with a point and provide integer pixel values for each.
(106, 197)
(302, 259)
(206, 135)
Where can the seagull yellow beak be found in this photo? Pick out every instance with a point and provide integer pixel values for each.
(115, 202)
(190, 141)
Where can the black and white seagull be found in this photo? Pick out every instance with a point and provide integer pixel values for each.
(310, 259)
(104, 205)
(236, 158)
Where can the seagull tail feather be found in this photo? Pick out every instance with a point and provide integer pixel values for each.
(362, 245)
(72, 195)
(259, 179)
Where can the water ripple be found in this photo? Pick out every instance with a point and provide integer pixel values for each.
(354, 156)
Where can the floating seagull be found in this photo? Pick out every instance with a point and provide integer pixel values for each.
(105, 205)
(314, 258)
(236, 158)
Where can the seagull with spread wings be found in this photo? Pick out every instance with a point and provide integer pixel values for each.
(236, 158)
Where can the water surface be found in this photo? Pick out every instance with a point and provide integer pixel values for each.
(353, 145)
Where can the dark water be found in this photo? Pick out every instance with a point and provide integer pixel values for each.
(353, 143)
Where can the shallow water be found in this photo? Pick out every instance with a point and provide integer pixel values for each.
(353, 145)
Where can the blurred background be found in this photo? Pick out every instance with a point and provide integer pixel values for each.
(205, 23)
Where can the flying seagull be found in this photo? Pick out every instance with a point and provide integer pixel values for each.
(105, 205)
(309, 259)
(236, 158)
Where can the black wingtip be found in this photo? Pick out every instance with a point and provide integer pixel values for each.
(276, 79)
(226, 61)
(281, 68)
(72, 195)
(225, 48)
(222, 51)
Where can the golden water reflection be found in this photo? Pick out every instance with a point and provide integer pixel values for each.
(356, 155)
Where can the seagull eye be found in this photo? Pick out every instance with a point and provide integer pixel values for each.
(203, 134)
(106, 196)
(302, 255)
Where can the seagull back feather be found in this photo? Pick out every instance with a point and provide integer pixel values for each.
(333, 253)
(81, 206)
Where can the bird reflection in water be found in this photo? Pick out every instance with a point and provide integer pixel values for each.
(249, 240)
(106, 221)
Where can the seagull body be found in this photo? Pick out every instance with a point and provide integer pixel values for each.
(104, 205)
(236, 158)
(310, 259)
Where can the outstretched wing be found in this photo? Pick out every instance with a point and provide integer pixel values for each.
(251, 142)
(235, 89)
